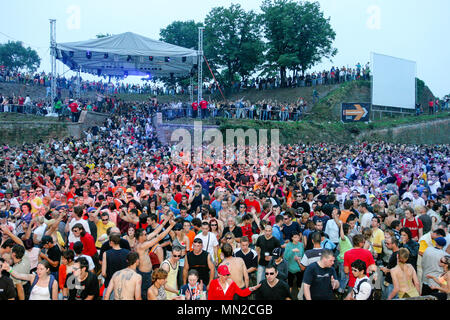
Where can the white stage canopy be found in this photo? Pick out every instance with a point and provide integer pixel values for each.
(127, 54)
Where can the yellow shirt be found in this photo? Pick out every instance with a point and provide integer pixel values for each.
(101, 230)
(377, 238)
(37, 202)
(424, 245)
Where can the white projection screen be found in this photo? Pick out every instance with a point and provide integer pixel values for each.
(394, 82)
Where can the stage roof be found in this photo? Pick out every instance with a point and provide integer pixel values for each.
(127, 54)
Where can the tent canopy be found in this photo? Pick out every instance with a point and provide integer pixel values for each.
(127, 54)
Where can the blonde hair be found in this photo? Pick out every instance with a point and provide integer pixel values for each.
(159, 274)
(403, 255)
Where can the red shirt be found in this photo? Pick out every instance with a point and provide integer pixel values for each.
(89, 248)
(203, 104)
(195, 106)
(413, 226)
(21, 101)
(254, 204)
(216, 292)
(247, 231)
(73, 107)
(354, 254)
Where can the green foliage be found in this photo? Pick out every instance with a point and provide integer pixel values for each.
(15, 56)
(181, 33)
(233, 42)
(299, 36)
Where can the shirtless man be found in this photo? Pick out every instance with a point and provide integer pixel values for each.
(126, 283)
(143, 244)
(237, 268)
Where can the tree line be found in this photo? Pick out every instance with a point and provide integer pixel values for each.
(286, 35)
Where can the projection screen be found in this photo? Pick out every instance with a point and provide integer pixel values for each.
(394, 82)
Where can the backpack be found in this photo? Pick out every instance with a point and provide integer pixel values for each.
(50, 284)
(404, 221)
(358, 288)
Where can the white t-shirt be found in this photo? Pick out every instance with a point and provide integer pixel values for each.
(364, 289)
(366, 219)
(73, 222)
(89, 259)
(209, 242)
(39, 231)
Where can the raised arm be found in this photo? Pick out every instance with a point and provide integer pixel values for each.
(6, 231)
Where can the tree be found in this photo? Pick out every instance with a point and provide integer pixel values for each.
(298, 34)
(181, 33)
(233, 42)
(15, 56)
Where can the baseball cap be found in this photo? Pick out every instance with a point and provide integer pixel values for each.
(277, 252)
(223, 270)
(441, 241)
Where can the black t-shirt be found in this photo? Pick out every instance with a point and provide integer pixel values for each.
(124, 244)
(303, 204)
(54, 254)
(319, 280)
(279, 292)
(391, 265)
(80, 291)
(115, 260)
(250, 259)
(289, 230)
(237, 232)
(7, 288)
(266, 246)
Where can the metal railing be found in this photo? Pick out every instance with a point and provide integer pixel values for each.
(233, 113)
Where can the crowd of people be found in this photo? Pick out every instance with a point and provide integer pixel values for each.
(112, 216)
(327, 77)
(239, 109)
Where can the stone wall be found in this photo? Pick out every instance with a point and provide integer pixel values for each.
(431, 132)
(18, 132)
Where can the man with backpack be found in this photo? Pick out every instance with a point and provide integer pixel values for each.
(362, 289)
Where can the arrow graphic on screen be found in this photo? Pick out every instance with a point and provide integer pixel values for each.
(359, 112)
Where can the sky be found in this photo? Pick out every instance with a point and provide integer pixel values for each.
(409, 29)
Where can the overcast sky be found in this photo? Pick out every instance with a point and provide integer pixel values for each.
(411, 29)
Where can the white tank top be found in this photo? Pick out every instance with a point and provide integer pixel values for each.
(40, 293)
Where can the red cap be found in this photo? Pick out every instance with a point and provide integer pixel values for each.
(223, 270)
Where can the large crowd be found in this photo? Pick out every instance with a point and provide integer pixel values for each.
(334, 75)
(113, 216)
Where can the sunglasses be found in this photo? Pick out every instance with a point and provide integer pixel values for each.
(176, 255)
(105, 220)
(214, 225)
(228, 238)
(270, 273)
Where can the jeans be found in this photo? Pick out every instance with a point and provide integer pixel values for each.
(343, 278)
(260, 273)
(264, 115)
(386, 291)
